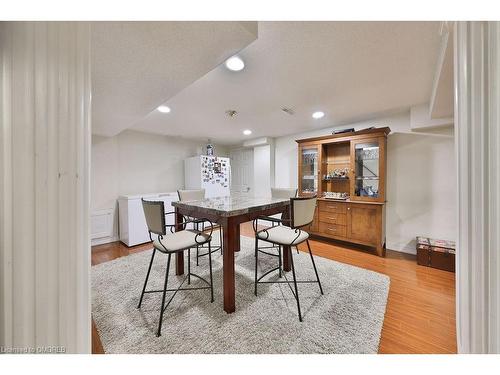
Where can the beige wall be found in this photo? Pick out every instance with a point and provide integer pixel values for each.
(136, 162)
(421, 179)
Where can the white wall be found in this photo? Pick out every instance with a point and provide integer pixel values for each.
(136, 162)
(262, 170)
(420, 179)
(421, 191)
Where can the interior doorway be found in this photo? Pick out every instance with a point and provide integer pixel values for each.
(242, 172)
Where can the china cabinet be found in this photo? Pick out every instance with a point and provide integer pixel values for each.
(348, 174)
(309, 169)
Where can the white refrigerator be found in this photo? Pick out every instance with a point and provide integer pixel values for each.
(211, 173)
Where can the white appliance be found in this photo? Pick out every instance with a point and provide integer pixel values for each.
(211, 173)
(133, 228)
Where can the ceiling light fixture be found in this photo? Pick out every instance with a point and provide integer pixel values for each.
(235, 64)
(287, 110)
(247, 132)
(163, 109)
(317, 115)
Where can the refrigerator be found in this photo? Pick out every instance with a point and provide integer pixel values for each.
(212, 173)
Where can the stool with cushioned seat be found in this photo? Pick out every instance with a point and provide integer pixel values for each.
(171, 243)
(198, 195)
(301, 215)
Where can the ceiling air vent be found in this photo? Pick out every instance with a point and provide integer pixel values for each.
(289, 111)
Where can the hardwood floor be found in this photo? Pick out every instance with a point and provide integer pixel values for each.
(420, 314)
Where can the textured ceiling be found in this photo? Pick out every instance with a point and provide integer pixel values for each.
(138, 65)
(350, 70)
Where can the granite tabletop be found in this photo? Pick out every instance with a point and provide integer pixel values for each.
(232, 206)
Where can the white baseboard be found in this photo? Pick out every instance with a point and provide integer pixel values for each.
(103, 240)
(401, 248)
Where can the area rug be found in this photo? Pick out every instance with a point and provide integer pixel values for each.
(348, 318)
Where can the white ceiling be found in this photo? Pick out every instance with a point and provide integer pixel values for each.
(138, 65)
(350, 70)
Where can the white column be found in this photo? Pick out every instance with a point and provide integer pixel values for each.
(477, 129)
(44, 189)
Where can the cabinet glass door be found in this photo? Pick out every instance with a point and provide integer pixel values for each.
(366, 155)
(309, 171)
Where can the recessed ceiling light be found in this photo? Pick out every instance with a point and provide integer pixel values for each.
(164, 109)
(318, 115)
(247, 132)
(235, 64)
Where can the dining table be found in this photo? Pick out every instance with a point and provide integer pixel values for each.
(229, 212)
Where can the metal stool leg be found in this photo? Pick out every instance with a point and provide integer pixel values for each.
(210, 265)
(314, 266)
(279, 259)
(158, 334)
(189, 266)
(256, 261)
(197, 247)
(295, 285)
(147, 277)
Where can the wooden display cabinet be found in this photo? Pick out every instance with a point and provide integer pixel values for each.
(354, 164)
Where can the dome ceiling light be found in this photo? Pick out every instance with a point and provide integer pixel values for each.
(317, 115)
(235, 64)
(163, 109)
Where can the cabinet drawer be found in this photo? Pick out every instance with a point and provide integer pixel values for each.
(332, 229)
(334, 207)
(332, 218)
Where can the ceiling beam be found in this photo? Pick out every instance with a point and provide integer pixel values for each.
(441, 102)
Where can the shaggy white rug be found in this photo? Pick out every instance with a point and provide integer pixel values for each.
(348, 318)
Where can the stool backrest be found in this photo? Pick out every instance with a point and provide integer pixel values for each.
(154, 211)
(283, 193)
(191, 195)
(302, 211)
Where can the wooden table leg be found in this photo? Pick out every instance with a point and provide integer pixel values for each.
(231, 241)
(237, 238)
(287, 250)
(179, 256)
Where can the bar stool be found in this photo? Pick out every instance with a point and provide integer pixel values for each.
(277, 193)
(302, 214)
(198, 195)
(171, 243)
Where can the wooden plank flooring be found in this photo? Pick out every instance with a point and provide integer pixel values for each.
(420, 315)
